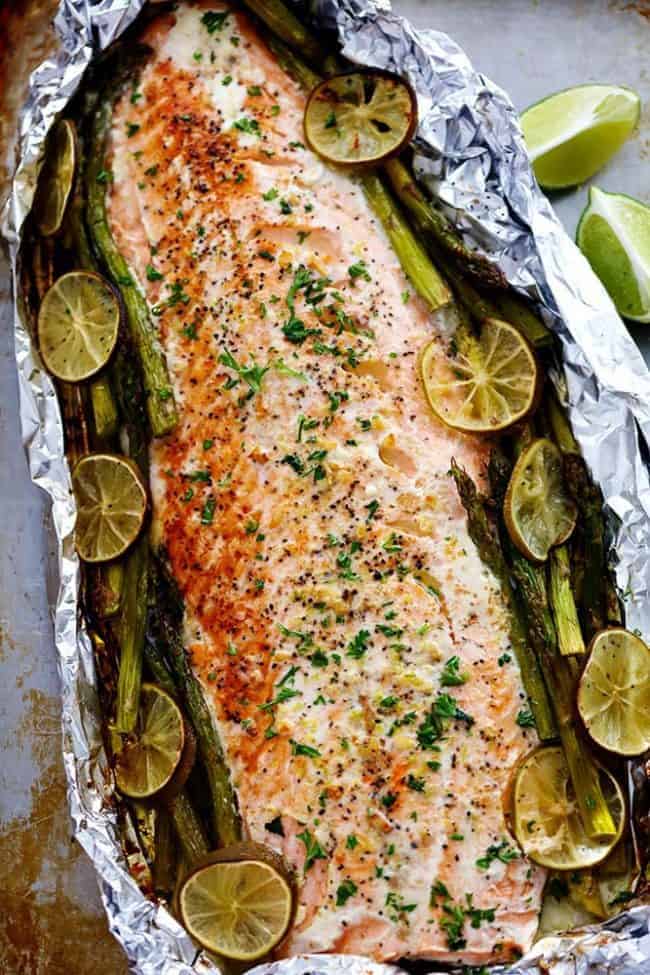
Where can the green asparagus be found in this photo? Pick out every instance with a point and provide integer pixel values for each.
(160, 400)
(187, 827)
(415, 261)
(491, 554)
(563, 604)
(130, 630)
(594, 590)
(225, 819)
(560, 676)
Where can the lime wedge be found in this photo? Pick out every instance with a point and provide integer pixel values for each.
(572, 133)
(614, 236)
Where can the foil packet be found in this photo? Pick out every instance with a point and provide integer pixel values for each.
(470, 155)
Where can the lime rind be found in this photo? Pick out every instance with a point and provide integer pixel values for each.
(572, 133)
(614, 235)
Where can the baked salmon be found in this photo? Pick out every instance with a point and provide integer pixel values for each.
(353, 647)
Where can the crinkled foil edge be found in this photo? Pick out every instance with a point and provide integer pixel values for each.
(470, 155)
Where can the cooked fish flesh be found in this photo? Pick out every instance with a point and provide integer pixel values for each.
(352, 646)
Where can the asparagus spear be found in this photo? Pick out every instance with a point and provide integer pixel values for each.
(130, 630)
(225, 818)
(590, 504)
(279, 19)
(104, 411)
(433, 226)
(164, 863)
(559, 675)
(560, 680)
(563, 604)
(491, 554)
(187, 827)
(415, 261)
(160, 400)
(156, 663)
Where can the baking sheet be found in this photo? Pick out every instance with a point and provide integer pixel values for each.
(545, 47)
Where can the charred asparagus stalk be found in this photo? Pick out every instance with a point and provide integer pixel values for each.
(590, 505)
(160, 400)
(187, 827)
(491, 554)
(559, 676)
(225, 819)
(413, 257)
(563, 604)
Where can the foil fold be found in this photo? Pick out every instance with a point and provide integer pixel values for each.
(471, 158)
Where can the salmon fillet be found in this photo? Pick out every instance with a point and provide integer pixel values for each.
(352, 646)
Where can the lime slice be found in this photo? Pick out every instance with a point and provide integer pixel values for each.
(572, 133)
(111, 506)
(360, 117)
(78, 324)
(538, 511)
(147, 758)
(614, 692)
(547, 820)
(614, 236)
(235, 905)
(484, 385)
(56, 178)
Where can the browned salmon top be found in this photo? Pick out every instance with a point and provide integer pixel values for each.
(352, 646)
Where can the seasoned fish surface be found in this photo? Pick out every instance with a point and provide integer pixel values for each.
(352, 646)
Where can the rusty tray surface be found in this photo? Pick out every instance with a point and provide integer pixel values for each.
(51, 918)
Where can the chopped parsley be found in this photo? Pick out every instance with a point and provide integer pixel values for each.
(152, 274)
(297, 748)
(358, 645)
(497, 851)
(249, 125)
(359, 270)
(344, 891)
(397, 908)
(207, 514)
(525, 718)
(414, 783)
(313, 850)
(431, 730)
(131, 129)
(252, 374)
(451, 675)
(214, 20)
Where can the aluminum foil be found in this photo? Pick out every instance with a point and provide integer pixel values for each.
(471, 158)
